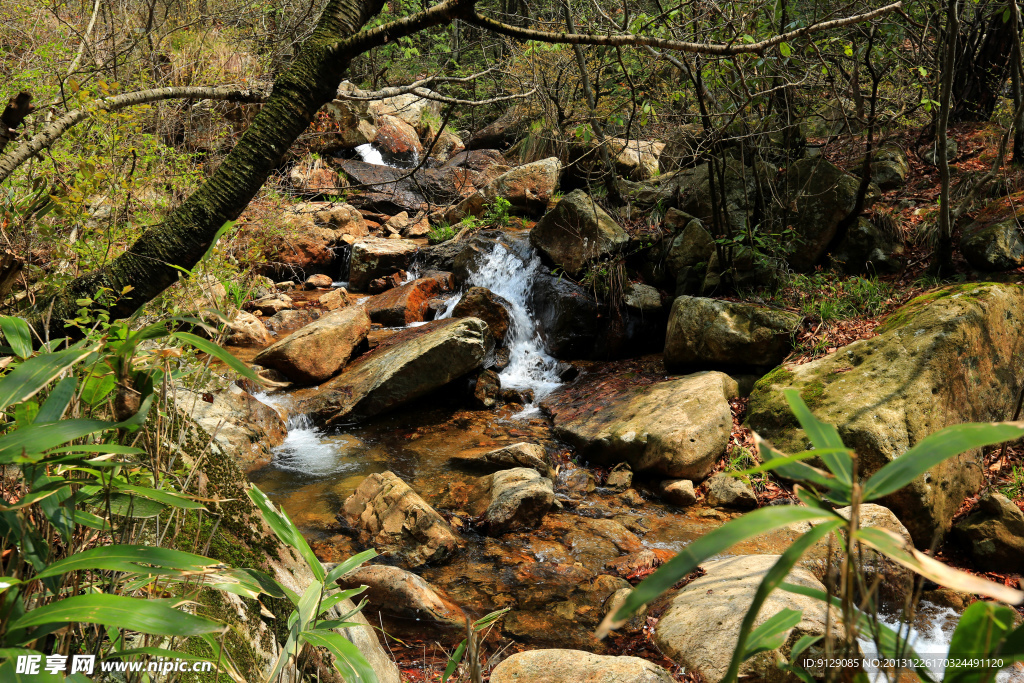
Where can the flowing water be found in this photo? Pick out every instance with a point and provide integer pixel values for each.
(370, 154)
(510, 275)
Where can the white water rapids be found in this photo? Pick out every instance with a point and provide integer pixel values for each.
(510, 276)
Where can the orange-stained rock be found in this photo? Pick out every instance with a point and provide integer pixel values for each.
(406, 304)
(397, 139)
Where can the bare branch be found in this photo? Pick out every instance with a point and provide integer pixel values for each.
(627, 39)
(52, 132)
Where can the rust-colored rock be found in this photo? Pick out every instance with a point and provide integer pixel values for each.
(392, 518)
(319, 350)
(406, 304)
(397, 139)
(480, 302)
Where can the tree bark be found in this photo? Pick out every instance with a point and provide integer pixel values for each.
(943, 262)
(984, 55)
(154, 261)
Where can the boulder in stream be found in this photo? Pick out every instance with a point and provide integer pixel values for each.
(373, 257)
(480, 302)
(407, 303)
(729, 492)
(677, 428)
(519, 498)
(319, 350)
(403, 367)
(577, 231)
(245, 329)
(400, 593)
(576, 666)
(528, 188)
(517, 455)
(701, 626)
(714, 332)
(392, 518)
(947, 357)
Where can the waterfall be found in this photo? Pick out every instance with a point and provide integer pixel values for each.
(370, 154)
(510, 276)
(306, 449)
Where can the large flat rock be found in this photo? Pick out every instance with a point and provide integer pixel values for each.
(676, 428)
(404, 367)
(319, 350)
(576, 666)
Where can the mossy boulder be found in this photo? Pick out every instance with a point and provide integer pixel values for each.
(704, 332)
(823, 195)
(993, 246)
(945, 358)
(576, 232)
(890, 168)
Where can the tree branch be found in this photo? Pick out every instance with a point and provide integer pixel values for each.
(629, 39)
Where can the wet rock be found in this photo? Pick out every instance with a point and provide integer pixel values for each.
(383, 284)
(487, 390)
(335, 299)
(947, 357)
(373, 258)
(397, 592)
(318, 282)
(406, 304)
(890, 168)
(824, 196)
(864, 249)
(678, 428)
(392, 190)
(593, 542)
(520, 497)
(993, 533)
(270, 304)
(620, 478)
(480, 302)
(468, 255)
(392, 518)
(517, 455)
(726, 491)
(241, 424)
(290, 319)
(576, 666)
(245, 329)
(993, 246)
(701, 626)
(677, 492)
(569, 318)
(404, 367)
(577, 231)
(397, 140)
(319, 350)
(715, 332)
(528, 188)
(632, 498)
(578, 480)
(639, 563)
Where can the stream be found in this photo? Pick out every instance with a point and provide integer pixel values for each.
(543, 574)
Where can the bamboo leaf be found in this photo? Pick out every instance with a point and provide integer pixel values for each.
(18, 335)
(219, 353)
(934, 449)
(286, 530)
(347, 658)
(130, 558)
(979, 635)
(57, 402)
(26, 380)
(156, 617)
(348, 565)
(825, 438)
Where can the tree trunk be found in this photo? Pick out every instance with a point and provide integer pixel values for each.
(943, 262)
(983, 63)
(153, 262)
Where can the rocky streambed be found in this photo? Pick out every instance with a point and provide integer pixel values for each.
(506, 439)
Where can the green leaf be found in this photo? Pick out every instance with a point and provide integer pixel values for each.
(33, 441)
(26, 380)
(220, 354)
(8, 674)
(348, 565)
(58, 400)
(96, 388)
(153, 616)
(934, 449)
(771, 635)
(825, 438)
(785, 49)
(130, 558)
(979, 635)
(18, 335)
(172, 498)
(286, 530)
(348, 660)
(712, 543)
(453, 661)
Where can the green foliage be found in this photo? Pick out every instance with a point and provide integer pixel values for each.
(440, 233)
(985, 632)
(85, 480)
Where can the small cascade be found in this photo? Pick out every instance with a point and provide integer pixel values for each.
(306, 450)
(370, 154)
(510, 275)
